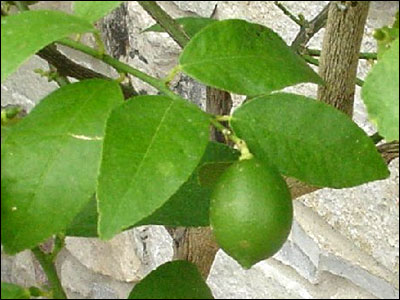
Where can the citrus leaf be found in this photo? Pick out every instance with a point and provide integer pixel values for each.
(151, 147)
(308, 140)
(380, 93)
(94, 10)
(191, 25)
(23, 34)
(243, 58)
(50, 162)
(173, 280)
(188, 207)
(13, 291)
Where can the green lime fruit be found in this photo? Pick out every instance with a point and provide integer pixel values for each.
(251, 211)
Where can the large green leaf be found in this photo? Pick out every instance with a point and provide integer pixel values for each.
(23, 34)
(94, 10)
(243, 58)
(12, 291)
(50, 162)
(173, 280)
(308, 140)
(187, 207)
(191, 25)
(152, 146)
(380, 93)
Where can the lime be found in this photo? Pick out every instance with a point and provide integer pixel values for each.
(251, 211)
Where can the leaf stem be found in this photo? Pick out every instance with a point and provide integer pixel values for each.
(241, 144)
(171, 75)
(120, 66)
(47, 263)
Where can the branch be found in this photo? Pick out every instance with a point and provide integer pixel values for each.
(315, 62)
(67, 68)
(169, 24)
(119, 66)
(389, 151)
(47, 263)
(289, 14)
(363, 55)
(307, 32)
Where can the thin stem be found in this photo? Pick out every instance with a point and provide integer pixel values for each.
(315, 62)
(289, 14)
(67, 67)
(61, 80)
(307, 32)
(172, 74)
(241, 144)
(169, 24)
(363, 55)
(46, 261)
(120, 66)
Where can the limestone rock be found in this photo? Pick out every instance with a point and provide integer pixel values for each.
(127, 257)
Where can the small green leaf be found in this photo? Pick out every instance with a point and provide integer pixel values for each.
(191, 25)
(188, 207)
(243, 58)
(173, 280)
(50, 162)
(23, 34)
(380, 93)
(94, 10)
(308, 140)
(13, 291)
(152, 146)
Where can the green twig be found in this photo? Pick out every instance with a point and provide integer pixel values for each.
(241, 144)
(315, 62)
(47, 263)
(169, 24)
(120, 66)
(363, 55)
(298, 21)
(171, 75)
(100, 45)
(306, 33)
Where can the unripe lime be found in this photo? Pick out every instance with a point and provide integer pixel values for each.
(251, 211)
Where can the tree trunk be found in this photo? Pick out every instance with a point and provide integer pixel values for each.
(198, 245)
(340, 50)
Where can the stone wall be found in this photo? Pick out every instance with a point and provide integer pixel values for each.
(344, 243)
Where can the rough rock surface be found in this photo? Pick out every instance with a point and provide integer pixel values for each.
(344, 243)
